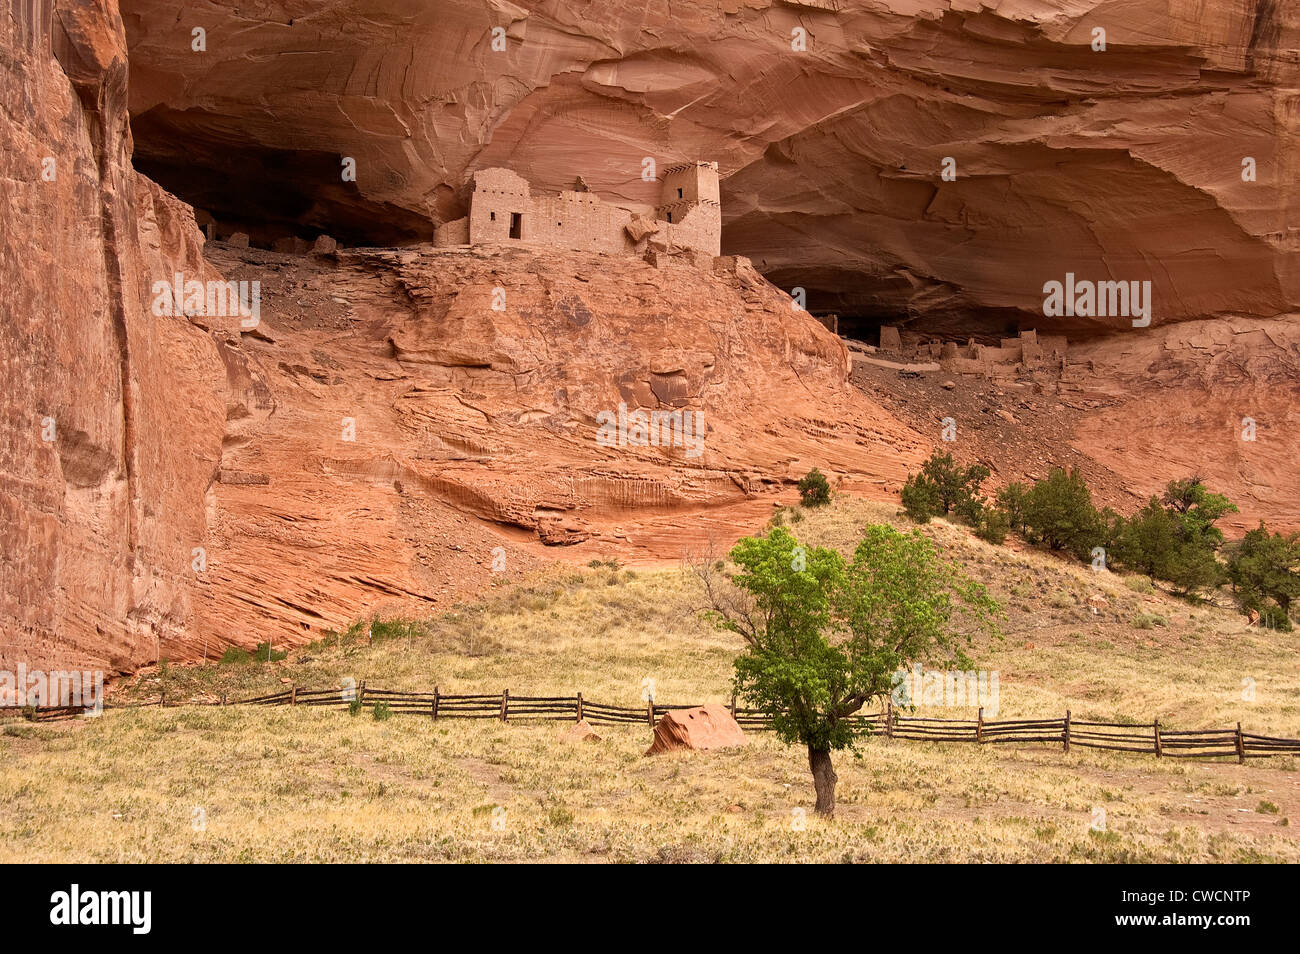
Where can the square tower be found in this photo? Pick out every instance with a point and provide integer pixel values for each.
(500, 208)
(691, 206)
(691, 182)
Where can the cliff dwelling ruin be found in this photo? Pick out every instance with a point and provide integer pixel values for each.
(503, 209)
(1041, 357)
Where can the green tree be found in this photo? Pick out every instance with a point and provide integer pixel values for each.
(1174, 537)
(1058, 512)
(1011, 499)
(824, 637)
(954, 483)
(1197, 509)
(1264, 570)
(814, 489)
(943, 486)
(920, 498)
(970, 510)
(1146, 539)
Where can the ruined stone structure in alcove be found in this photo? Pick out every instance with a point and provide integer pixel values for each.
(503, 209)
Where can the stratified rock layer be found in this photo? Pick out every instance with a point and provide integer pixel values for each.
(399, 415)
(834, 121)
(398, 428)
(1215, 398)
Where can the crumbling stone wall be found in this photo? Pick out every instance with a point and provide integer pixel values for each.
(455, 232)
(579, 220)
(503, 209)
(1026, 352)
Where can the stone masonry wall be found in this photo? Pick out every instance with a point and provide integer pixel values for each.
(503, 209)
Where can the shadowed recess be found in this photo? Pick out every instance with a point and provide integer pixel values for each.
(267, 193)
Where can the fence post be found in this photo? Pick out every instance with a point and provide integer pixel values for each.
(1241, 746)
(1156, 727)
(650, 713)
(1066, 737)
(734, 710)
(979, 726)
(223, 698)
(505, 704)
(162, 699)
(435, 703)
(293, 695)
(579, 707)
(361, 694)
(889, 719)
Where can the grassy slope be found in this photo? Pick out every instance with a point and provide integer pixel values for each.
(314, 785)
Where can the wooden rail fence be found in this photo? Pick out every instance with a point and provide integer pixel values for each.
(1112, 736)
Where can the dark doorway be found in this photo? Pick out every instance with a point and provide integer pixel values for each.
(516, 225)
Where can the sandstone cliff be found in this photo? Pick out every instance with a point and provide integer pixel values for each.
(405, 423)
(111, 425)
(388, 429)
(831, 118)
(171, 483)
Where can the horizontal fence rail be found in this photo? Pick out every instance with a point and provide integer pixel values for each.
(1067, 732)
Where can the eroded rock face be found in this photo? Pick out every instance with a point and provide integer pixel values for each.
(403, 420)
(1214, 398)
(395, 428)
(1123, 163)
(111, 424)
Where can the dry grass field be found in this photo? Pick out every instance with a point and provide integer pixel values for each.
(259, 784)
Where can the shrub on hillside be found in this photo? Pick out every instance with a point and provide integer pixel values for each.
(994, 524)
(1264, 571)
(1011, 499)
(1058, 513)
(970, 510)
(1198, 509)
(1146, 538)
(920, 499)
(814, 489)
(943, 486)
(264, 653)
(234, 656)
(1149, 621)
(1174, 537)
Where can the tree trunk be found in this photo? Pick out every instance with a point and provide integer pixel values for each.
(824, 779)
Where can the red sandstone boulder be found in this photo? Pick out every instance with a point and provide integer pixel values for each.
(581, 732)
(704, 727)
